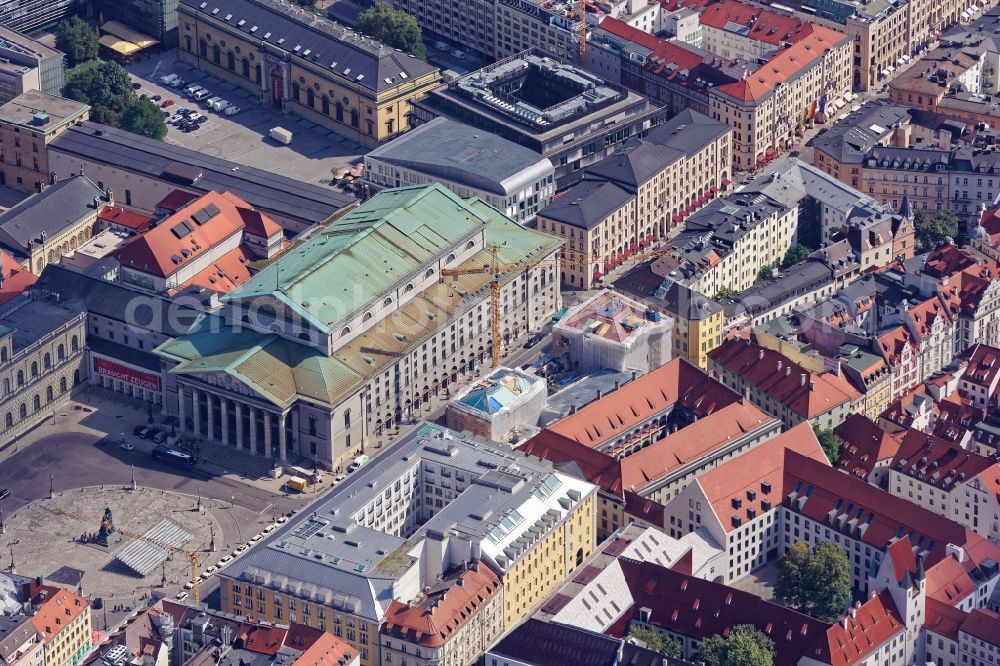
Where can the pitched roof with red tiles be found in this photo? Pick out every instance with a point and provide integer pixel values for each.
(806, 393)
(964, 291)
(57, 612)
(924, 315)
(943, 619)
(864, 630)
(949, 581)
(990, 222)
(596, 467)
(699, 608)
(124, 217)
(435, 618)
(692, 442)
(870, 514)
(325, 650)
(984, 369)
(984, 624)
(763, 26)
(784, 65)
(900, 554)
(180, 238)
(942, 464)
(176, 200)
(893, 343)
(752, 481)
(863, 445)
(677, 382)
(224, 274)
(16, 278)
(258, 224)
(948, 259)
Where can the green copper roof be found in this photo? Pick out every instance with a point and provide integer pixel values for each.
(283, 371)
(367, 253)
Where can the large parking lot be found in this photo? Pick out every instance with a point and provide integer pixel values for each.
(314, 156)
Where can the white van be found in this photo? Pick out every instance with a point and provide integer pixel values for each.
(281, 135)
(169, 79)
(201, 94)
(232, 111)
(220, 105)
(192, 89)
(212, 100)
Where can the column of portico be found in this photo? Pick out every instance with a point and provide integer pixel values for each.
(210, 433)
(180, 408)
(239, 424)
(296, 436)
(282, 443)
(224, 417)
(268, 450)
(196, 411)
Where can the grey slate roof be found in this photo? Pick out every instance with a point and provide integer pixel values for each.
(265, 190)
(324, 43)
(111, 300)
(587, 203)
(50, 211)
(35, 319)
(635, 163)
(767, 294)
(458, 152)
(553, 644)
(848, 140)
(688, 131)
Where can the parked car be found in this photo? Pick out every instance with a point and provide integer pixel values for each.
(166, 103)
(194, 117)
(178, 84)
(174, 119)
(221, 105)
(207, 573)
(169, 79)
(160, 436)
(441, 46)
(137, 431)
(181, 596)
(202, 120)
(136, 86)
(212, 100)
(201, 94)
(125, 446)
(232, 111)
(192, 89)
(156, 98)
(458, 53)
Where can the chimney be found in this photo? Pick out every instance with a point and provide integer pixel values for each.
(600, 394)
(618, 384)
(111, 197)
(572, 409)
(802, 380)
(779, 366)
(812, 385)
(760, 355)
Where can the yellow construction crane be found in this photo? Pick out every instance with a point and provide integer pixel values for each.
(192, 554)
(496, 269)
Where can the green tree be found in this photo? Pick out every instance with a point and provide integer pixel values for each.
(765, 273)
(830, 443)
(817, 582)
(145, 118)
(393, 27)
(76, 39)
(656, 641)
(931, 232)
(744, 646)
(106, 87)
(724, 293)
(795, 254)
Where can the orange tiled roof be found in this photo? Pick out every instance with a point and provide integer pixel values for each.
(617, 412)
(941, 464)
(326, 650)
(59, 610)
(984, 367)
(764, 26)
(943, 619)
(125, 218)
(598, 468)
(167, 247)
(864, 630)
(746, 482)
(784, 65)
(433, 620)
(16, 278)
(225, 274)
(863, 445)
(806, 393)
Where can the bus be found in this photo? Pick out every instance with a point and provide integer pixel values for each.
(173, 457)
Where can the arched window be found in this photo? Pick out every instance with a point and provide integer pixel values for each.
(295, 91)
(3, 354)
(20, 378)
(23, 411)
(387, 302)
(202, 49)
(355, 118)
(246, 68)
(231, 61)
(37, 402)
(216, 54)
(366, 317)
(9, 420)
(430, 272)
(50, 394)
(470, 245)
(62, 385)
(47, 361)
(74, 344)
(339, 112)
(346, 331)
(408, 288)
(451, 257)
(61, 351)
(310, 97)
(6, 386)
(187, 43)
(326, 105)
(347, 418)
(34, 369)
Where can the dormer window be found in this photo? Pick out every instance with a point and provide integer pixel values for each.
(345, 332)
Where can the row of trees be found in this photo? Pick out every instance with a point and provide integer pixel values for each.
(744, 645)
(107, 88)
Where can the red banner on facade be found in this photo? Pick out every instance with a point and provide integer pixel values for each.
(146, 380)
(276, 86)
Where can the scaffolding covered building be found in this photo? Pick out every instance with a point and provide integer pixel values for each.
(501, 407)
(611, 332)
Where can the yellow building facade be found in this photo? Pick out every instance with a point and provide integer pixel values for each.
(64, 623)
(305, 65)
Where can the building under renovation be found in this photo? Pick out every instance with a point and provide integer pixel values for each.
(609, 331)
(500, 407)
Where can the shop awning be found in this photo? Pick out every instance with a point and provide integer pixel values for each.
(726, 182)
(119, 46)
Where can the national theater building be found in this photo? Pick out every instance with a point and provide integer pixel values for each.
(355, 328)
